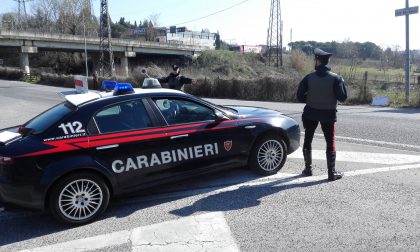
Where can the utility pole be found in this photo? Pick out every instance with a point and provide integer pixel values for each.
(107, 67)
(406, 12)
(275, 35)
(21, 7)
(86, 8)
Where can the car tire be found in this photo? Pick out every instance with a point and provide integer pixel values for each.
(79, 198)
(268, 155)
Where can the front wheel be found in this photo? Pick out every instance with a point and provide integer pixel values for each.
(268, 155)
(79, 198)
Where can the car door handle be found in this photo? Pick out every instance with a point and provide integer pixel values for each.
(179, 136)
(250, 127)
(106, 147)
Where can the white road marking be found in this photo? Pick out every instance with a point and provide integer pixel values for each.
(362, 157)
(369, 141)
(91, 243)
(303, 180)
(205, 232)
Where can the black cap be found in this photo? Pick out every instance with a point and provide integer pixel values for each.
(321, 54)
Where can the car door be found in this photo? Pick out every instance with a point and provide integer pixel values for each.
(199, 140)
(130, 144)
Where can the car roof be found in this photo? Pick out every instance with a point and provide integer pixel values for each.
(80, 99)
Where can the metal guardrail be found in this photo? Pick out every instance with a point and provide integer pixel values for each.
(31, 77)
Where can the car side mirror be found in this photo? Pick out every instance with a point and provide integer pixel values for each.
(220, 116)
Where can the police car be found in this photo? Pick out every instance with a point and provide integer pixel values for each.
(74, 157)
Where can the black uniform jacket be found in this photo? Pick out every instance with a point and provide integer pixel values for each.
(175, 81)
(322, 115)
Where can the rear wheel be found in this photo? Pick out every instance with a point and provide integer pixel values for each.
(79, 198)
(268, 155)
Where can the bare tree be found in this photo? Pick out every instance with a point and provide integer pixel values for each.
(64, 16)
(155, 19)
(8, 21)
(349, 51)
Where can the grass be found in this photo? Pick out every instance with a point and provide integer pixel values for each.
(397, 98)
(396, 75)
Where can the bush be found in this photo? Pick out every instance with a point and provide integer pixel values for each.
(58, 80)
(10, 73)
(266, 89)
(299, 61)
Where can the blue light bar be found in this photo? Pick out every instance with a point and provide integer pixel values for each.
(108, 85)
(123, 88)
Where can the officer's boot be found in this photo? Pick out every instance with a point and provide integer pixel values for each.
(307, 156)
(332, 174)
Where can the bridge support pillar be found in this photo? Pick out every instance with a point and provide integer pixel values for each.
(24, 63)
(124, 61)
(124, 65)
(24, 57)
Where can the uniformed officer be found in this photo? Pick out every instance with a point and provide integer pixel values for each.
(175, 80)
(320, 90)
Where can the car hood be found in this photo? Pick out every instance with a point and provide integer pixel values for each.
(245, 112)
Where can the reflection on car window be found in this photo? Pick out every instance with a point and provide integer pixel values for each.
(177, 111)
(49, 117)
(124, 116)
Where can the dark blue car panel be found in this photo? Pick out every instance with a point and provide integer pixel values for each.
(133, 159)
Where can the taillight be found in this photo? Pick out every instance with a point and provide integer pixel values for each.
(6, 160)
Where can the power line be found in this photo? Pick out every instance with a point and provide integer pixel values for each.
(214, 13)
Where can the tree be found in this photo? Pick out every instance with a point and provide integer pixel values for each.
(218, 41)
(8, 21)
(151, 33)
(346, 49)
(122, 21)
(154, 19)
(369, 50)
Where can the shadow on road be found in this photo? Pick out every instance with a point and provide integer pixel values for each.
(243, 197)
(27, 226)
(17, 225)
(400, 111)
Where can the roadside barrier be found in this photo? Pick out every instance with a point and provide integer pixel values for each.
(31, 77)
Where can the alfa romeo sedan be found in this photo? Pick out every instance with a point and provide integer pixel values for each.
(73, 158)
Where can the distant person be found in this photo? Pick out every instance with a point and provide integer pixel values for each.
(320, 90)
(95, 80)
(175, 80)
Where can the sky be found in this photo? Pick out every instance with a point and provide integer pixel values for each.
(247, 21)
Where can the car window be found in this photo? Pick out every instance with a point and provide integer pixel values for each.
(178, 111)
(124, 116)
(49, 117)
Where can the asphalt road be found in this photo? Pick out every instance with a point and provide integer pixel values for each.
(375, 207)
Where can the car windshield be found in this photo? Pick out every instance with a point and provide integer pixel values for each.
(44, 120)
(228, 110)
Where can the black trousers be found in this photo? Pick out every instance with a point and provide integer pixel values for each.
(329, 133)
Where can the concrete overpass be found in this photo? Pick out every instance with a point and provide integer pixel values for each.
(32, 42)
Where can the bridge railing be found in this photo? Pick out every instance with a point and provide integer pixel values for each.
(95, 40)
